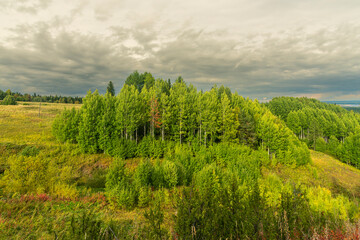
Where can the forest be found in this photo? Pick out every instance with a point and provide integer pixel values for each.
(163, 160)
(324, 127)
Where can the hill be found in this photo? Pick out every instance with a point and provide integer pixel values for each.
(247, 189)
(323, 127)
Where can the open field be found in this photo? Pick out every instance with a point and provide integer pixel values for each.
(29, 123)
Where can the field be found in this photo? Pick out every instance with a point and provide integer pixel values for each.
(81, 181)
(33, 216)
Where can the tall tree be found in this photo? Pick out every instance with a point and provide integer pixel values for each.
(107, 126)
(91, 114)
(110, 89)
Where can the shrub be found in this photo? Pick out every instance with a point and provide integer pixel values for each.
(30, 151)
(9, 100)
(66, 126)
(170, 174)
(143, 174)
(144, 196)
(123, 148)
(320, 144)
(36, 174)
(119, 186)
(153, 226)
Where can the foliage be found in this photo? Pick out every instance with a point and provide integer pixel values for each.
(131, 123)
(154, 221)
(38, 98)
(9, 100)
(110, 89)
(200, 165)
(325, 127)
(30, 151)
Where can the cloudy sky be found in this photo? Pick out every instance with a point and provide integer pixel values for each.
(260, 49)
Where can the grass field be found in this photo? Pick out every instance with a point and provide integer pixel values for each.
(41, 216)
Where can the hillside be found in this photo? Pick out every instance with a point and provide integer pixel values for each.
(340, 176)
(49, 188)
(323, 127)
(325, 171)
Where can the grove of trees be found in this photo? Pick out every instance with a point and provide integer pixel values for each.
(158, 112)
(324, 127)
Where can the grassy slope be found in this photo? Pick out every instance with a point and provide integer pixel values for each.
(342, 176)
(325, 171)
(21, 126)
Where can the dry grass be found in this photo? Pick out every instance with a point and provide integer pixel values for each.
(341, 175)
(22, 124)
(325, 171)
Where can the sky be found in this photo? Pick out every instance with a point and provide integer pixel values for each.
(261, 49)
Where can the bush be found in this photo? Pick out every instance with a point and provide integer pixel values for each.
(9, 100)
(320, 145)
(144, 196)
(144, 173)
(36, 174)
(153, 226)
(123, 148)
(170, 174)
(66, 126)
(30, 151)
(119, 186)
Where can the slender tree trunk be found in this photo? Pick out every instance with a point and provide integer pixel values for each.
(308, 133)
(200, 129)
(163, 128)
(136, 133)
(205, 138)
(180, 127)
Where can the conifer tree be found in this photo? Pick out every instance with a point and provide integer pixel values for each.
(111, 89)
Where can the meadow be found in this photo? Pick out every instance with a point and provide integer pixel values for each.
(40, 215)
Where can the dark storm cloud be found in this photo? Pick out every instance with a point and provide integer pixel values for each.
(264, 65)
(46, 58)
(68, 63)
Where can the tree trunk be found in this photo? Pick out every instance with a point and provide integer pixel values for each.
(180, 127)
(163, 127)
(205, 138)
(163, 133)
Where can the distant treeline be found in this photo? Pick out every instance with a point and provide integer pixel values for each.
(354, 109)
(39, 98)
(325, 127)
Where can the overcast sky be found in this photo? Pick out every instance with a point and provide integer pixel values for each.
(259, 48)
